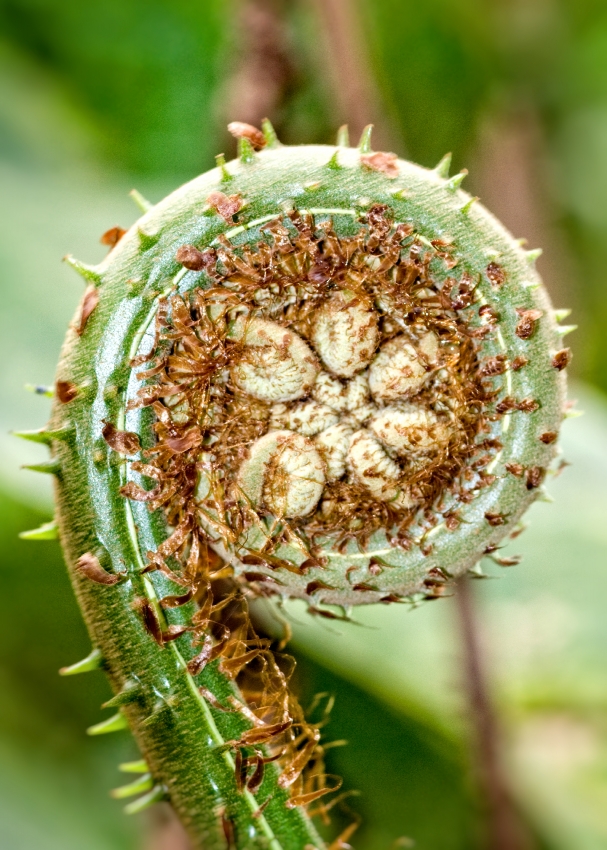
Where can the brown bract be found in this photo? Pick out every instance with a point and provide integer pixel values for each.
(193, 259)
(124, 442)
(493, 366)
(534, 477)
(495, 519)
(562, 359)
(527, 322)
(518, 362)
(387, 163)
(240, 130)
(89, 303)
(88, 564)
(226, 205)
(112, 236)
(66, 391)
(496, 274)
(548, 437)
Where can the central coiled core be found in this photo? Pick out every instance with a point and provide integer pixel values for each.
(317, 385)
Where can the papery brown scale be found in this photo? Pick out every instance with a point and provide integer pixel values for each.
(479, 332)
(150, 620)
(212, 699)
(192, 564)
(112, 236)
(161, 315)
(328, 615)
(175, 541)
(219, 648)
(496, 274)
(494, 518)
(241, 764)
(130, 490)
(341, 842)
(245, 269)
(229, 830)
(527, 322)
(310, 797)
(176, 601)
(527, 405)
(66, 391)
(152, 371)
(280, 236)
(197, 664)
(89, 565)
(295, 768)
(173, 632)
(167, 491)
(488, 314)
(232, 666)
(256, 778)
(562, 359)
(90, 301)
(180, 313)
(250, 576)
(262, 734)
(242, 130)
(161, 413)
(148, 470)
(258, 813)
(493, 366)
(158, 564)
(185, 442)
(506, 404)
(548, 437)
(124, 442)
(190, 257)
(518, 362)
(534, 477)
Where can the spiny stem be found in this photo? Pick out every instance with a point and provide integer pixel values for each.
(183, 294)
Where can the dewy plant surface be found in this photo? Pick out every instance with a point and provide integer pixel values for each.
(317, 372)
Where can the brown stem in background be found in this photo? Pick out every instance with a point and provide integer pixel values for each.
(346, 59)
(264, 71)
(508, 172)
(504, 828)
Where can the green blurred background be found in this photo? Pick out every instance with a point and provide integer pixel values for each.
(99, 97)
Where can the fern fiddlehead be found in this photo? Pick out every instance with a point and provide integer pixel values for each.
(316, 372)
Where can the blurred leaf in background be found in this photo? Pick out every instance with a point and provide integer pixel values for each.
(98, 97)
